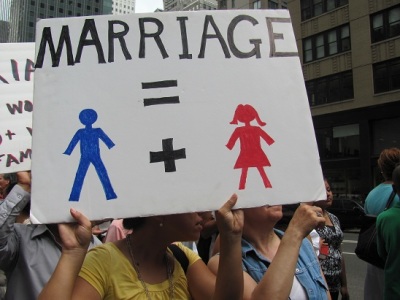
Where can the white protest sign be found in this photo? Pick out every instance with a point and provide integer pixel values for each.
(150, 114)
(16, 105)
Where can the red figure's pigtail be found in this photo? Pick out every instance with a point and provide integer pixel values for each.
(261, 123)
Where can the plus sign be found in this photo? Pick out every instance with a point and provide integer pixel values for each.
(10, 134)
(168, 155)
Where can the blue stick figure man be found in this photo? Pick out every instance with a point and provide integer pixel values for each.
(90, 154)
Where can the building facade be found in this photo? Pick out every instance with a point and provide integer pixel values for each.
(252, 4)
(350, 53)
(187, 5)
(21, 15)
(121, 7)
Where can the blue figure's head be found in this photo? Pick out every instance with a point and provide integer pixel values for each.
(88, 116)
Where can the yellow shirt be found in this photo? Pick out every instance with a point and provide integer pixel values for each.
(112, 275)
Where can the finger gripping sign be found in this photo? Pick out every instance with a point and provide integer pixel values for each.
(172, 112)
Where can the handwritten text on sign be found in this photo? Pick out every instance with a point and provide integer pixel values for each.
(165, 113)
(16, 106)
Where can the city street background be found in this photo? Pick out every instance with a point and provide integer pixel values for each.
(355, 268)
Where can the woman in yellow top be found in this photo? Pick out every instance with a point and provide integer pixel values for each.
(142, 267)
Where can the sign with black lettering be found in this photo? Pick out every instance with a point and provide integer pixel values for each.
(16, 106)
(151, 114)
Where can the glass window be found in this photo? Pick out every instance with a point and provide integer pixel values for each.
(257, 4)
(272, 4)
(306, 12)
(330, 89)
(385, 24)
(313, 8)
(384, 136)
(330, 5)
(345, 38)
(339, 142)
(327, 43)
(308, 56)
(319, 46)
(387, 76)
(317, 6)
(332, 43)
(346, 140)
(394, 22)
(345, 183)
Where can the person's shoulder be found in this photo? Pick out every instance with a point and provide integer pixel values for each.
(333, 217)
(191, 255)
(388, 217)
(109, 248)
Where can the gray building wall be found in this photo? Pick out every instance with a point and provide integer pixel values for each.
(23, 14)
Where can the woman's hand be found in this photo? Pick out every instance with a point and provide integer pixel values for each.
(305, 219)
(228, 220)
(76, 236)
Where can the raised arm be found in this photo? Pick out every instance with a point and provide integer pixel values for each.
(10, 208)
(76, 238)
(202, 282)
(277, 281)
(230, 273)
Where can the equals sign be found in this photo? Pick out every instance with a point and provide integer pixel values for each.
(160, 100)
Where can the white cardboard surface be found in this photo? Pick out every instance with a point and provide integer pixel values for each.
(16, 105)
(210, 86)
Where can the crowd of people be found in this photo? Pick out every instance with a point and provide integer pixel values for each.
(145, 258)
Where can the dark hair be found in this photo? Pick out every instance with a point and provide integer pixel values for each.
(388, 159)
(396, 178)
(133, 223)
(10, 187)
(11, 177)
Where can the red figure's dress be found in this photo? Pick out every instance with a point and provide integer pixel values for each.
(251, 153)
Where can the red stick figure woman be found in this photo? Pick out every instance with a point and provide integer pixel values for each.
(251, 153)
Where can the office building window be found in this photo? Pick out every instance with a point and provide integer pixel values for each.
(338, 142)
(233, 4)
(313, 8)
(345, 183)
(330, 89)
(384, 136)
(257, 4)
(385, 24)
(387, 76)
(272, 4)
(326, 43)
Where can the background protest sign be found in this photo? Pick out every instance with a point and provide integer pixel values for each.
(150, 114)
(16, 105)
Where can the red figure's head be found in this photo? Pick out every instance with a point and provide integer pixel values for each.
(245, 114)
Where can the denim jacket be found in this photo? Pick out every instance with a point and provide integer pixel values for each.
(308, 271)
